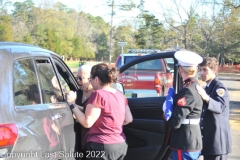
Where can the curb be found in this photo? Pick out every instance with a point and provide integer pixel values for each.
(234, 108)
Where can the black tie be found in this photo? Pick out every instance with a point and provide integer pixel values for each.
(206, 89)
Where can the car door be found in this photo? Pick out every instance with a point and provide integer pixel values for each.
(60, 122)
(67, 82)
(36, 132)
(147, 134)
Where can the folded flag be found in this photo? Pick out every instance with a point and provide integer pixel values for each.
(169, 103)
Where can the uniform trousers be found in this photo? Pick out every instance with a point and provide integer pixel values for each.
(183, 155)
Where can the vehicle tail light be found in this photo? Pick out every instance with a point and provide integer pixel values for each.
(8, 135)
(157, 83)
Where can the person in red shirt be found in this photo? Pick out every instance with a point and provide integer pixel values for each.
(106, 112)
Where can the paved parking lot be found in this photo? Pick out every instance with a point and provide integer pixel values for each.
(232, 82)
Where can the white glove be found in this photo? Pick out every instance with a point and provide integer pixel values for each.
(164, 107)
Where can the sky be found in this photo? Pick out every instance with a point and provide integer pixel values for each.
(98, 8)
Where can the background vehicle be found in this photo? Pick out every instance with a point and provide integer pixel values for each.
(170, 62)
(32, 122)
(145, 79)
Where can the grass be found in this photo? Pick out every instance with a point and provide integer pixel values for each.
(72, 64)
(75, 64)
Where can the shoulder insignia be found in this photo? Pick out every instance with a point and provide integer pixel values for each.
(181, 101)
(220, 92)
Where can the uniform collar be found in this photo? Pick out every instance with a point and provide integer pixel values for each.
(209, 83)
(212, 81)
(188, 80)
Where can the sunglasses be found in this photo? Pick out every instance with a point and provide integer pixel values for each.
(81, 78)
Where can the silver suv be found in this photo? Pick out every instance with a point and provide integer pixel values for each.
(35, 120)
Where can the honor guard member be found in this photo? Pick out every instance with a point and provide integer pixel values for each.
(185, 135)
(215, 114)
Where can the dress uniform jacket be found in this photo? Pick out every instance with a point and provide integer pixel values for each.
(187, 105)
(215, 120)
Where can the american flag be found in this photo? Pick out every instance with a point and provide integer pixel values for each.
(169, 103)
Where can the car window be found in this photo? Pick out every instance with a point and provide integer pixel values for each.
(63, 77)
(170, 62)
(126, 60)
(150, 78)
(152, 64)
(49, 81)
(26, 86)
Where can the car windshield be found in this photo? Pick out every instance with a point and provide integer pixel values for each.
(169, 60)
(149, 65)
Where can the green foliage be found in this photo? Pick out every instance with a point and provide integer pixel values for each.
(50, 41)
(82, 36)
(5, 29)
(150, 34)
(77, 47)
(102, 47)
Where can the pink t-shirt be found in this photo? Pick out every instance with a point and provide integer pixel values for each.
(108, 128)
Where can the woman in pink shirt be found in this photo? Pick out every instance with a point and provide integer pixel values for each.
(105, 114)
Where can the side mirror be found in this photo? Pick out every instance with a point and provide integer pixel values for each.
(118, 86)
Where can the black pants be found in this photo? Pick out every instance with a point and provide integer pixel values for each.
(98, 151)
(216, 157)
(78, 144)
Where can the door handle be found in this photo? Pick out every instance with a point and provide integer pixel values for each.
(56, 116)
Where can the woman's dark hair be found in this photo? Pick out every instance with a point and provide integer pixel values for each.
(105, 74)
(29, 92)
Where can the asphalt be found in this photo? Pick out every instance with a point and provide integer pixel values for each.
(232, 82)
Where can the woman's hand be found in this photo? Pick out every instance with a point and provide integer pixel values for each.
(71, 97)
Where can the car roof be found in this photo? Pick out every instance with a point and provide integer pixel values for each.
(18, 50)
(133, 54)
(15, 44)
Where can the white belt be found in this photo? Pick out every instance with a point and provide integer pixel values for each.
(191, 121)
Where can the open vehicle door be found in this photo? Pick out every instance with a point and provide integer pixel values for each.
(147, 134)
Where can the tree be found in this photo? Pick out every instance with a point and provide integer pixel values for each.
(150, 33)
(5, 29)
(225, 35)
(22, 22)
(51, 39)
(4, 4)
(123, 33)
(124, 5)
(102, 47)
(185, 23)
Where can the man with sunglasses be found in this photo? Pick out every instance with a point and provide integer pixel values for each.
(215, 115)
(185, 136)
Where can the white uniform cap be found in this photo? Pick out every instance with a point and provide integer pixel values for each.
(188, 58)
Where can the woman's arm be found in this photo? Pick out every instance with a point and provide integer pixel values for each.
(79, 107)
(128, 116)
(91, 115)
